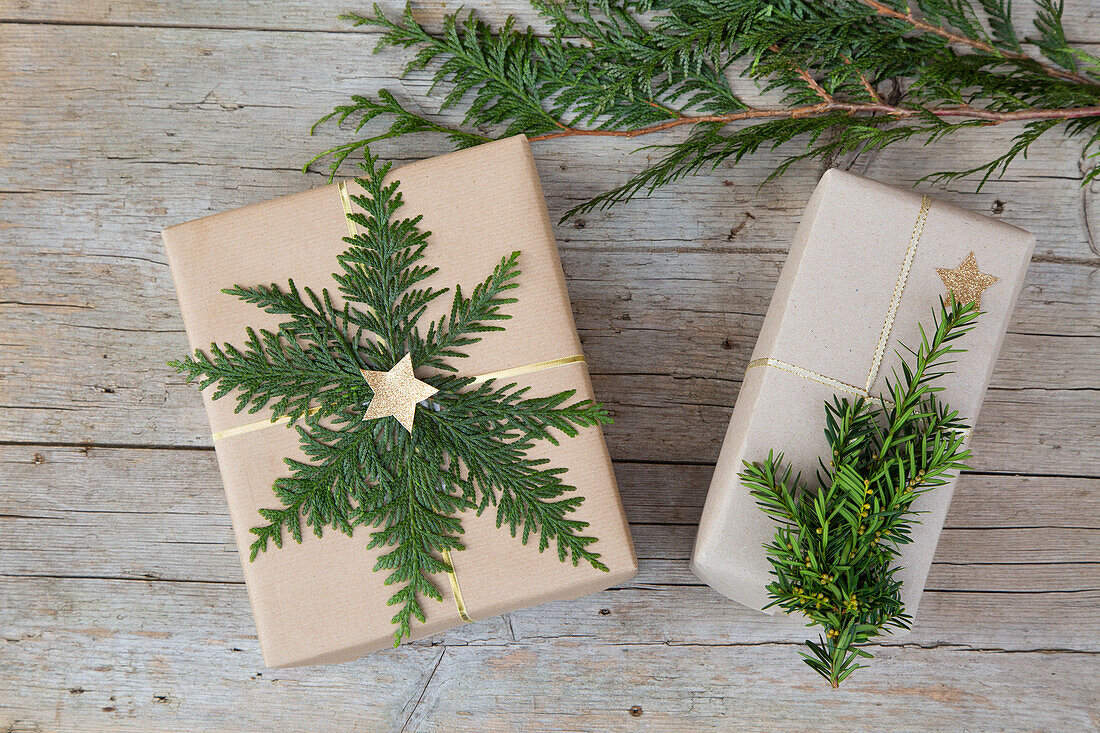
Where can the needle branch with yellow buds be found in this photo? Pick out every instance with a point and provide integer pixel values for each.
(834, 553)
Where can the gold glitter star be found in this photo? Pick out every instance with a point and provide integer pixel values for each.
(396, 393)
(966, 281)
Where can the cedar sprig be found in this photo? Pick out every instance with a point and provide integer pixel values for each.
(468, 449)
(834, 552)
(841, 76)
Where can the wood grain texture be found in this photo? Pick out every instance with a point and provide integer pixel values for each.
(121, 600)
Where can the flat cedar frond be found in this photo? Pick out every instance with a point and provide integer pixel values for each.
(467, 452)
(469, 315)
(844, 76)
(834, 552)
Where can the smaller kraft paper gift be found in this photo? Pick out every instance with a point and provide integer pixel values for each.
(868, 264)
(411, 542)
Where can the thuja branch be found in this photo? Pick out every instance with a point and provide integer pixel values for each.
(843, 76)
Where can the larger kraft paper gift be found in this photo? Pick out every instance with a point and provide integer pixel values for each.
(320, 602)
(863, 270)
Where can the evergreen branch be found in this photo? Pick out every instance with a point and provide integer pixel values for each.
(417, 517)
(834, 551)
(469, 316)
(318, 320)
(275, 371)
(531, 506)
(405, 122)
(342, 481)
(491, 432)
(627, 68)
(380, 267)
(533, 418)
(500, 71)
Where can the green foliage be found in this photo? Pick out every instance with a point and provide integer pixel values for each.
(834, 552)
(468, 449)
(848, 76)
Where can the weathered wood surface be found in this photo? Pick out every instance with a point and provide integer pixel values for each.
(121, 602)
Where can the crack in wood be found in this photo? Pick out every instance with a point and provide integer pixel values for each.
(424, 689)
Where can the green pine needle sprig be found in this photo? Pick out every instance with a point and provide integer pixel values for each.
(842, 77)
(835, 550)
(469, 444)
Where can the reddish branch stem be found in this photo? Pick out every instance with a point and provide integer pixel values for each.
(811, 82)
(816, 110)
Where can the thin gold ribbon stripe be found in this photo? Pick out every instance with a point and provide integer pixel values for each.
(254, 426)
(899, 287)
(810, 375)
(887, 325)
(529, 368)
(455, 590)
(345, 202)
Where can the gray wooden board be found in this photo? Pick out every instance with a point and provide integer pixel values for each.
(121, 600)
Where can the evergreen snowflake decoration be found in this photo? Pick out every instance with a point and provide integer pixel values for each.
(467, 449)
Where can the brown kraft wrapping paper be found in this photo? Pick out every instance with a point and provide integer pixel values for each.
(828, 315)
(320, 602)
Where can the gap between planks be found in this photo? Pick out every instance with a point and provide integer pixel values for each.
(85, 445)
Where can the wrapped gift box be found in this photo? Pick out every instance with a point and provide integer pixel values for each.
(862, 272)
(320, 602)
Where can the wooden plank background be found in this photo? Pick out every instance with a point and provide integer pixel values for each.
(121, 600)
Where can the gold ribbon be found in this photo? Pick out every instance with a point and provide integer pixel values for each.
(528, 368)
(254, 426)
(459, 603)
(887, 325)
(345, 201)
(798, 371)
